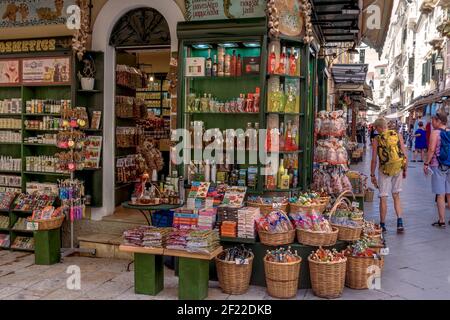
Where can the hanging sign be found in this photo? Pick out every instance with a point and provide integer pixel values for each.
(9, 72)
(46, 70)
(197, 10)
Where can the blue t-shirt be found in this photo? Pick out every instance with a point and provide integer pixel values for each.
(421, 141)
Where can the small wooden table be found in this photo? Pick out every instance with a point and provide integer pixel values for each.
(149, 208)
(193, 271)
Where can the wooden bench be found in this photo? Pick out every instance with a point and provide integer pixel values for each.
(193, 271)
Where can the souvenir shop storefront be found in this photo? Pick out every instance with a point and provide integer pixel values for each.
(86, 140)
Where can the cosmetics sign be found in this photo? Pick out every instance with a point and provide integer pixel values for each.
(224, 9)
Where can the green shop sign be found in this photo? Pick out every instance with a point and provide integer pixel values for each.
(197, 10)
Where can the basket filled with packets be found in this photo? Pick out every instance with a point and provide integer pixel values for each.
(282, 270)
(314, 230)
(267, 205)
(47, 218)
(234, 269)
(346, 219)
(327, 272)
(308, 202)
(275, 229)
(362, 262)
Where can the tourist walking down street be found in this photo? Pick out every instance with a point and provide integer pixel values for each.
(438, 163)
(421, 143)
(389, 149)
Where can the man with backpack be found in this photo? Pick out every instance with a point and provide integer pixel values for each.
(389, 149)
(437, 163)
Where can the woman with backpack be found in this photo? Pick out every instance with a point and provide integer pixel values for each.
(438, 163)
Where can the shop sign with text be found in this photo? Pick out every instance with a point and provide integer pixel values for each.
(34, 45)
(197, 10)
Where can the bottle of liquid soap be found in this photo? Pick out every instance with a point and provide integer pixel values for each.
(280, 172)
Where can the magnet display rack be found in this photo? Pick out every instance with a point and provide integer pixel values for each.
(242, 33)
(92, 100)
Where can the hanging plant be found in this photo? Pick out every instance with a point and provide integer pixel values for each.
(81, 36)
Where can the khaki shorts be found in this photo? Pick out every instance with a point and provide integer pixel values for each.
(389, 184)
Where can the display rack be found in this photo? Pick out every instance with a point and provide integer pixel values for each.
(93, 101)
(69, 90)
(156, 95)
(250, 39)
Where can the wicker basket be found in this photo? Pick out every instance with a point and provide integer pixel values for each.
(282, 278)
(298, 208)
(357, 274)
(327, 278)
(265, 209)
(346, 233)
(276, 239)
(49, 224)
(234, 278)
(316, 238)
(369, 195)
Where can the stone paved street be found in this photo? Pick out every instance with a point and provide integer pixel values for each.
(418, 266)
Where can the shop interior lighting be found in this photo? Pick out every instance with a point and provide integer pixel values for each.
(252, 44)
(230, 45)
(201, 46)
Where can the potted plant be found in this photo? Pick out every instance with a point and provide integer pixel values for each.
(87, 74)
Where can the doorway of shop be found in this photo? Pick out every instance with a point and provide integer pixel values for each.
(141, 39)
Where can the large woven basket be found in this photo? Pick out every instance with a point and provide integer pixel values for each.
(316, 238)
(327, 278)
(358, 271)
(276, 239)
(265, 209)
(234, 278)
(298, 208)
(282, 278)
(49, 224)
(346, 233)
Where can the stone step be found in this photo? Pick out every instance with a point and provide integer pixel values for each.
(105, 245)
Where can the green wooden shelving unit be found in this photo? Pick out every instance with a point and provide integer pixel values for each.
(92, 100)
(242, 32)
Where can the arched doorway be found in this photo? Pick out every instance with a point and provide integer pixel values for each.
(110, 32)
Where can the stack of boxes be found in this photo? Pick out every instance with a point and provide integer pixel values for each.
(206, 218)
(184, 218)
(247, 218)
(228, 229)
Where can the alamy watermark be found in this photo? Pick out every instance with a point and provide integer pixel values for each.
(73, 282)
(233, 146)
(73, 17)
